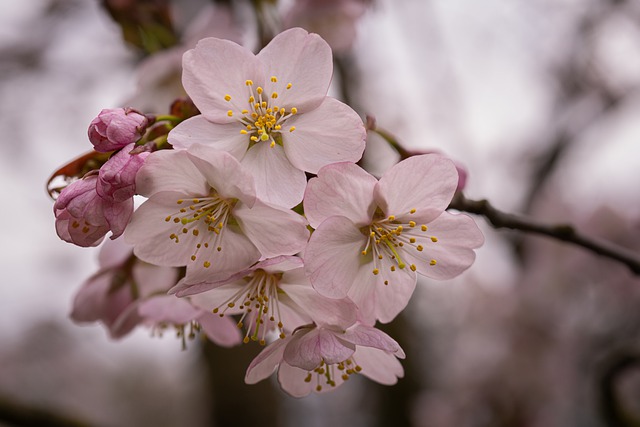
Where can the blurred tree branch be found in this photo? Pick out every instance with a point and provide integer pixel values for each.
(562, 232)
(18, 414)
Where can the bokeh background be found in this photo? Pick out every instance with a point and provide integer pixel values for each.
(539, 100)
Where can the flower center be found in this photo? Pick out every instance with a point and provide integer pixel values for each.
(389, 240)
(263, 120)
(327, 373)
(257, 300)
(205, 220)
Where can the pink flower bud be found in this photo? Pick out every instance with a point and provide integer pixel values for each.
(117, 177)
(115, 128)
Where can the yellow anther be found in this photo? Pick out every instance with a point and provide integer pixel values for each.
(392, 218)
(244, 132)
(420, 248)
(251, 99)
(294, 110)
(432, 262)
(292, 128)
(245, 111)
(399, 229)
(412, 239)
(289, 85)
(227, 98)
(413, 267)
(282, 111)
(193, 257)
(263, 104)
(206, 264)
(423, 228)
(179, 201)
(166, 219)
(273, 144)
(274, 79)
(392, 268)
(249, 82)
(376, 271)
(195, 232)
(229, 113)
(259, 90)
(274, 95)
(254, 138)
(412, 223)
(434, 239)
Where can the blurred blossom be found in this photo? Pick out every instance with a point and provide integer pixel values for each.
(335, 20)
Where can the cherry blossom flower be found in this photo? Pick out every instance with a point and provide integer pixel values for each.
(321, 358)
(115, 128)
(111, 296)
(372, 237)
(274, 294)
(189, 320)
(117, 177)
(270, 110)
(203, 213)
(84, 218)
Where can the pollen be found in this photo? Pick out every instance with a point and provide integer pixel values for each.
(274, 79)
(423, 228)
(376, 271)
(434, 239)
(294, 110)
(230, 113)
(420, 248)
(289, 85)
(292, 128)
(249, 82)
(274, 95)
(432, 262)
(259, 90)
(206, 264)
(227, 98)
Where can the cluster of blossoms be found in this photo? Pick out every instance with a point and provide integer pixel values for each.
(258, 225)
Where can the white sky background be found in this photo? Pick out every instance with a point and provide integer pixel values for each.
(492, 54)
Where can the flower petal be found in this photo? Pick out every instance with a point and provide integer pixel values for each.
(333, 255)
(425, 183)
(292, 380)
(331, 133)
(322, 310)
(170, 170)
(274, 231)
(302, 59)
(308, 350)
(277, 181)
(340, 189)
(222, 137)
(457, 236)
(266, 362)
(221, 330)
(369, 336)
(223, 173)
(378, 365)
(217, 68)
(167, 309)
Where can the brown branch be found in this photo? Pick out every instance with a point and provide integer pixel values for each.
(562, 232)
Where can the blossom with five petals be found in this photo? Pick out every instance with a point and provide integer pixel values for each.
(203, 213)
(270, 110)
(372, 237)
(321, 358)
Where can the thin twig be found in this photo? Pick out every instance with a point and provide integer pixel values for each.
(562, 232)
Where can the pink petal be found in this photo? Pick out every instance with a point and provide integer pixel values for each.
(113, 253)
(126, 321)
(170, 170)
(274, 231)
(457, 236)
(425, 183)
(340, 189)
(307, 350)
(322, 310)
(221, 330)
(391, 299)
(302, 59)
(88, 304)
(152, 279)
(369, 336)
(169, 309)
(331, 133)
(117, 215)
(378, 365)
(223, 173)
(333, 255)
(277, 181)
(222, 137)
(216, 68)
(266, 362)
(292, 380)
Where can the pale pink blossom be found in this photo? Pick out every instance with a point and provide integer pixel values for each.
(334, 20)
(117, 177)
(111, 296)
(114, 128)
(372, 237)
(84, 218)
(188, 320)
(274, 294)
(321, 358)
(203, 213)
(270, 110)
